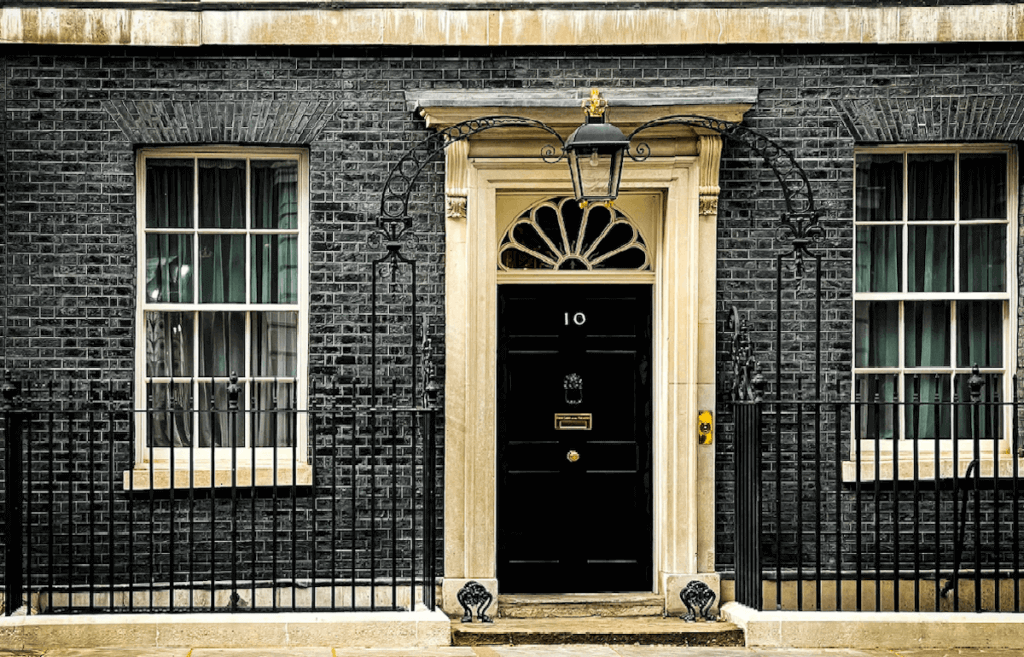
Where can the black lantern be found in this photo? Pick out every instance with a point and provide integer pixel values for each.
(595, 152)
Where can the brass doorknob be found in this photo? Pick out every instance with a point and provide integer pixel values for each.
(573, 456)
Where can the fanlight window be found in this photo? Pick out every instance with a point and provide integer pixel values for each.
(558, 234)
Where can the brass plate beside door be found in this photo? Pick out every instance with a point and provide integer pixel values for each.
(573, 421)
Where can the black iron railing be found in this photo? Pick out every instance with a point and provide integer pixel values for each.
(881, 505)
(97, 519)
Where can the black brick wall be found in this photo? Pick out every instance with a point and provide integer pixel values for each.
(75, 116)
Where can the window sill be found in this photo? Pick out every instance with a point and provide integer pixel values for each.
(926, 468)
(143, 478)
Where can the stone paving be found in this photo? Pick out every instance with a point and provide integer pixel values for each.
(511, 651)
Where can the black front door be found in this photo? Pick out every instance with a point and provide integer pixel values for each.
(574, 438)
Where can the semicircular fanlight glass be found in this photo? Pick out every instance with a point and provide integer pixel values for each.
(559, 235)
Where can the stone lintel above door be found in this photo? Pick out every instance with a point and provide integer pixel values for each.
(560, 109)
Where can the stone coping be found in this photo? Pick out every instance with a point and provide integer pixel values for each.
(493, 23)
(876, 630)
(415, 629)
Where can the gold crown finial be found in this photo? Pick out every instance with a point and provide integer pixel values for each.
(595, 105)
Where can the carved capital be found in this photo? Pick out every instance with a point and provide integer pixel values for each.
(709, 200)
(456, 180)
(455, 207)
(710, 149)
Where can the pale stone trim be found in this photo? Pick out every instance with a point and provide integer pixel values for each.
(682, 242)
(925, 468)
(877, 629)
(456, 176)
(382, 629)
(560, 109)
(710, 150)
(143, 478)
(423, 23)
(684, 474)
(610, 276)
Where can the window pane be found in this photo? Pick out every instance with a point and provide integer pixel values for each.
(983, 258)
(170, 419)
(222, 269)
(928, 412)
(222, 193)
(983, 186)
(169, 340)
(275, 197)
(274, 348)
(169, 268)
(217, 425)
(169, 185)
(876, 336)
(979, 326)
(930, 187)
(879, 187)
(876, 412)
(927, 333)
(984, 419)
(879, 258)
(930, 259)
(221, 344)
(275, 269)
(273, 426)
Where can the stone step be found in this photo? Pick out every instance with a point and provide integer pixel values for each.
(577, 605)
(643, 630)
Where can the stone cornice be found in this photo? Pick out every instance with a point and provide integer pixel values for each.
(526, 23)
(560, 109)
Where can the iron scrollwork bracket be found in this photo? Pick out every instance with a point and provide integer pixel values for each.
(394, 222)
(475, 596)
(747, 380)
(800, 220)
(699, 599)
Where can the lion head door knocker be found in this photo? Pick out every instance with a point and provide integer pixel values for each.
(474, 596)
(573, 385)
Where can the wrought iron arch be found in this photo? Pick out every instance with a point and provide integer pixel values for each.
(800, 219)
(799, 223)
(394, 229)
(394, 225)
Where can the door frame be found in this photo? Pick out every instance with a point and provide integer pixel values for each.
(684, 172)
(684, 372)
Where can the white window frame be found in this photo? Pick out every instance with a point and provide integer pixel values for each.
(203, 466)
(924, 466)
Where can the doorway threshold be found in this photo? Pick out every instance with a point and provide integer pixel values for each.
(599, 631)
(580, 605)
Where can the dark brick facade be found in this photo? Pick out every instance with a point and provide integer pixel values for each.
(74, 118)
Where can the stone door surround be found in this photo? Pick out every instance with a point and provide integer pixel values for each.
(683, 172)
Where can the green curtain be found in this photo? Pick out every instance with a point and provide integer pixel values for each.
(928, 414)
(275, 258)
(222, 206)
(221, 352)
(169, 349)
(930, 187)
(274, 354)
(169, 262)
(879, 197)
